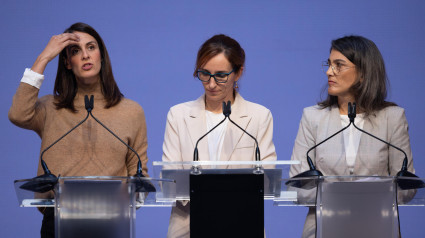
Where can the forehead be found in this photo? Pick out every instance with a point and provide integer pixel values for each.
(85, 38)
(336, 55)
(218, 62)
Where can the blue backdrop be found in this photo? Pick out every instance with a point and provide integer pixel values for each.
(153, 45)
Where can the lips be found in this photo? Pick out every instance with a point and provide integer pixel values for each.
(213, 92)
(87, 66)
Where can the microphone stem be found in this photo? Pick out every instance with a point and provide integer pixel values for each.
(115, 135)
(257, 151)
(46, 170)
(195, 155)
(367, 133)
(312, 148)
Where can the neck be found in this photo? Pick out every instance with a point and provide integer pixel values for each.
(216, 106)
(90, 89)
(343, 104)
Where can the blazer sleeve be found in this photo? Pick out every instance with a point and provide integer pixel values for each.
(171, 146)
(305, 139)
(265, 138)
(399, 137)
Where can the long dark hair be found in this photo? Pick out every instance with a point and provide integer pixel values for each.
(66, 86)
(221, 44)
(370, 92)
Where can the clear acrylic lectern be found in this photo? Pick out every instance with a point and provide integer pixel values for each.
(228, 194)
(96, 206)
(354, 206)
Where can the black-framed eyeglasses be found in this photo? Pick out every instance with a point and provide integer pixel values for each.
(218, 77)
(336, 69)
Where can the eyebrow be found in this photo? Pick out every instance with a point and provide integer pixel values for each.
(337, 60)
(217, 72)
(88, 43)
(91, 42)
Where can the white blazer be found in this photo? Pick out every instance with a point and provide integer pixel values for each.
(186, 123)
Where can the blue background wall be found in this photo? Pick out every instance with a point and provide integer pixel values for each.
(153, 45)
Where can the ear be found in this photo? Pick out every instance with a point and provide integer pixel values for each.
(239, 74)
(67, 64)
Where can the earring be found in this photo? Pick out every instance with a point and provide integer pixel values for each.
(236, 85)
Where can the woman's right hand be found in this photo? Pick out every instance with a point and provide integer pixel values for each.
(56, 44)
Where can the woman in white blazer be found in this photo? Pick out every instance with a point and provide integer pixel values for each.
(219, 66)
(356, 73)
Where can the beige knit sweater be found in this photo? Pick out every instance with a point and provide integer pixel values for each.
(89, 150)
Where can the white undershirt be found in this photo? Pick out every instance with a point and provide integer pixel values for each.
(352, 139)
(216, 137)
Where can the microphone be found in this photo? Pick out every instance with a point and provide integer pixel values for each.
(404, 184)
(141, 185)
(313, 172)
(226, 112)
(47, 181)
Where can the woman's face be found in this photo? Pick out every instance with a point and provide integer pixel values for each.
(342, 74)
(84, 59)
(219, 92)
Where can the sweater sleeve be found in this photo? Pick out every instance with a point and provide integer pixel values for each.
(27, 110)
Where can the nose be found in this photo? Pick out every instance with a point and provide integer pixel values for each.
(212, 83)
(85, 54)
(330, 71)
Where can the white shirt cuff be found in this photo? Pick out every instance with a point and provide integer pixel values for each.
(32, 78)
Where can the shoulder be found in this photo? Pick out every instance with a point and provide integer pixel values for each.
(255, 107)
(187, 108)
(130, 107)
(390, 110)
(392, 114)
(317, 112)
(389, 113)
(252, 108)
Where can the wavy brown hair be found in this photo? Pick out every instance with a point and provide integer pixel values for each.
(221, 44)
(66, 86)
(369, 93)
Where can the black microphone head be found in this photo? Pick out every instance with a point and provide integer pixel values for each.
(227, 109)
(352, 111)
(86, 102)
(92, 102)
(41, 184)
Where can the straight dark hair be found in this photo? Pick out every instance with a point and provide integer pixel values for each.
(66, 86)
(370, 89)
(221, 44)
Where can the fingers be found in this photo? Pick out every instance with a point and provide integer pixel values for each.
(66, 39)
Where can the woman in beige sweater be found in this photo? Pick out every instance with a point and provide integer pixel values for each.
(84, 69)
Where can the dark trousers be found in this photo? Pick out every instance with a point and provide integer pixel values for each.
(48, 224)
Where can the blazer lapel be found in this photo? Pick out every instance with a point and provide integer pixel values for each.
(336, 146)
(362, 152)
(196, 126)
(233, 134)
